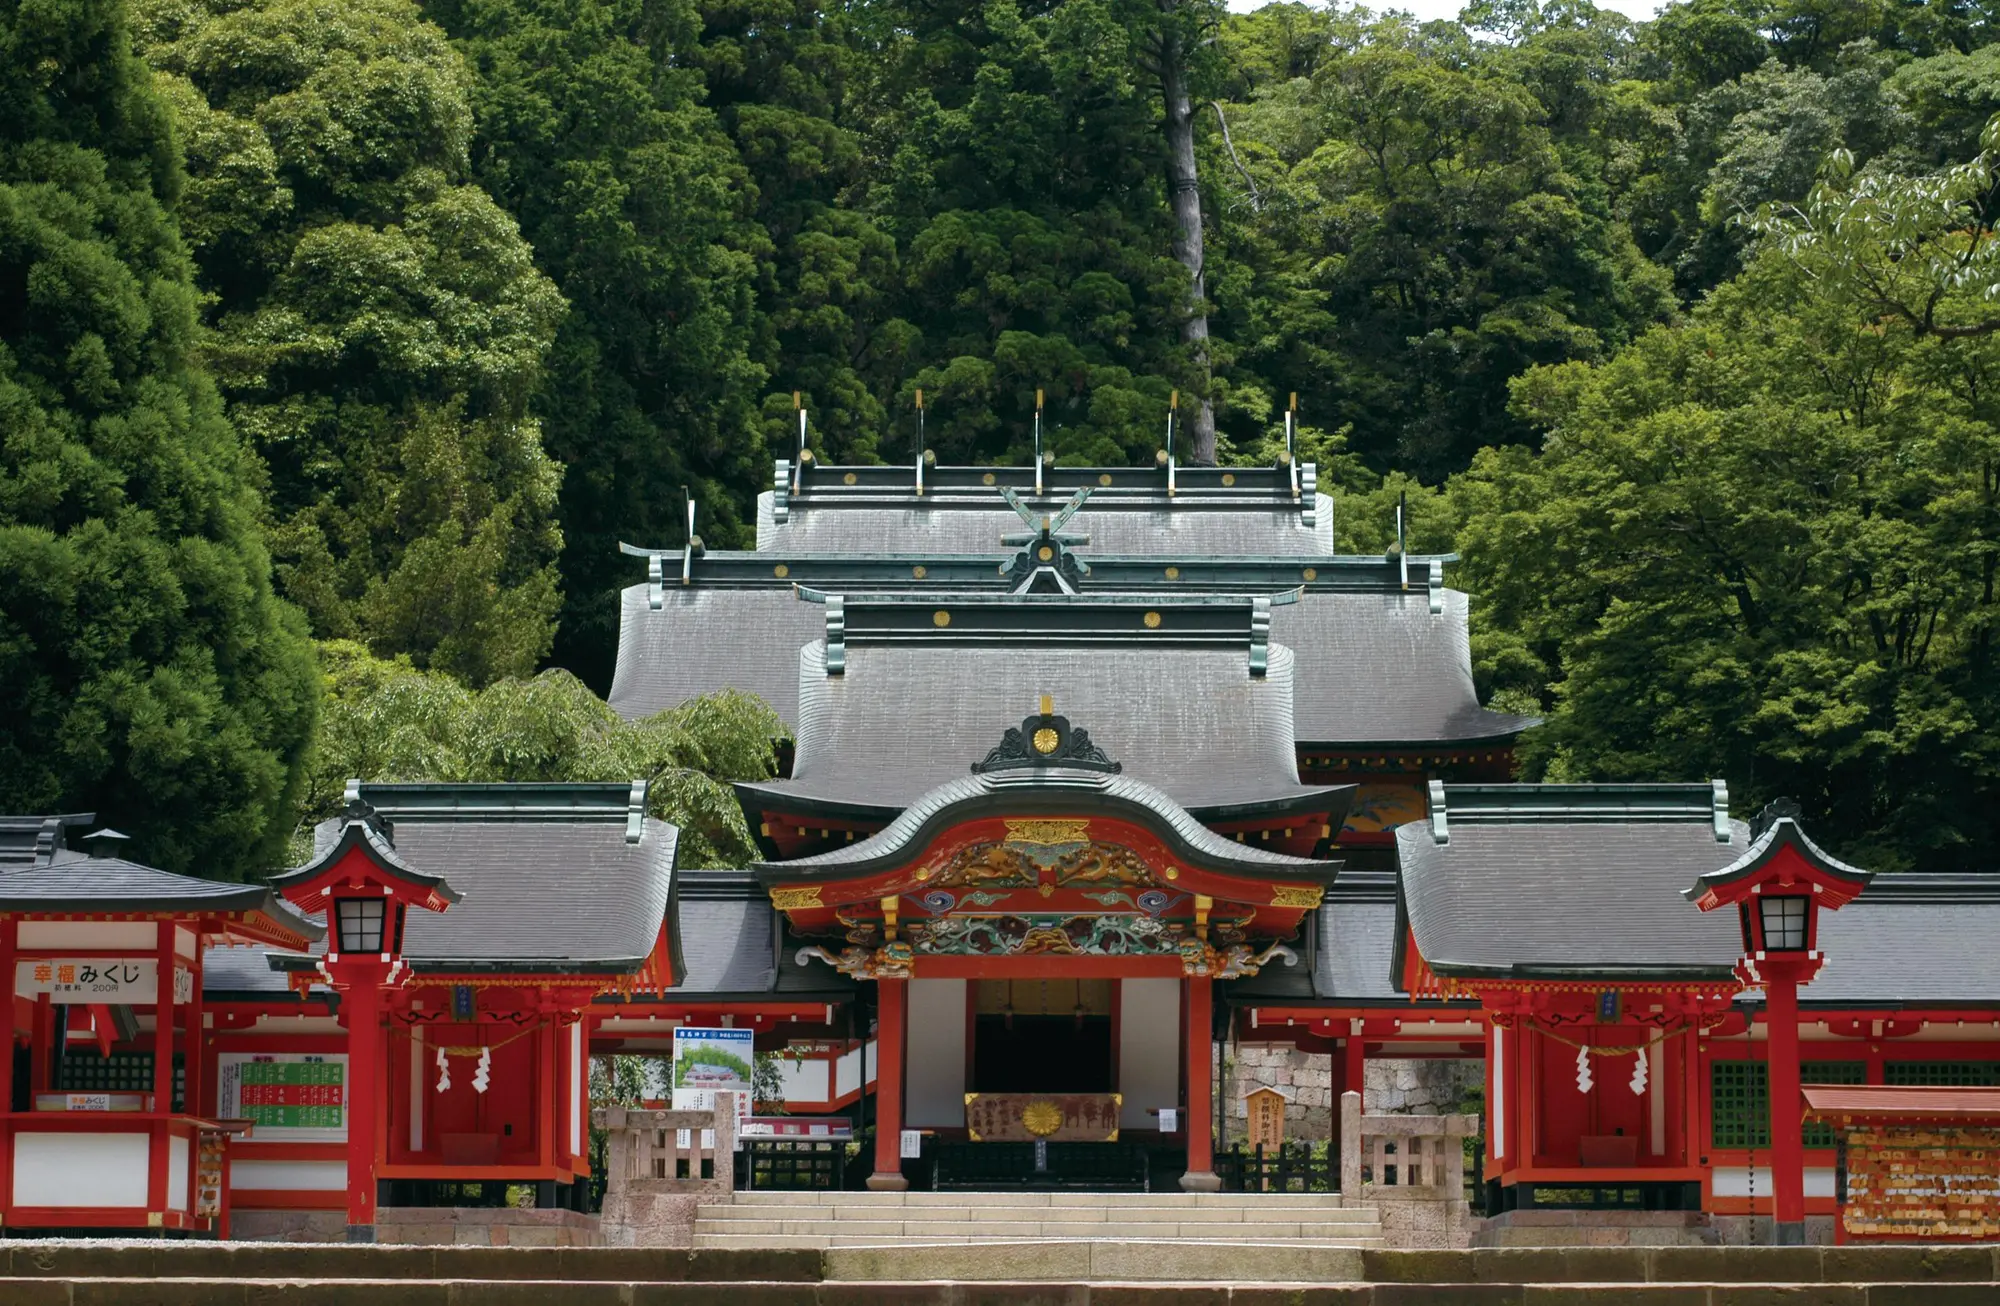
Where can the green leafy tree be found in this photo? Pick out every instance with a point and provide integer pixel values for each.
(1763, 544)
(387, 720)
(588, 126)
(1445, 245)
(785, 80)
(378, 324)
(1021, 176)
(152, 675)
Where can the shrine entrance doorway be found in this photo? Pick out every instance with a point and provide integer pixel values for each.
(1043, 1036)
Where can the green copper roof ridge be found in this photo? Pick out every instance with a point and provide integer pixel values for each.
(1046, 600)
(1353, 561)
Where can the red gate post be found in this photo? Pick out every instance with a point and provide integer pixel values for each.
(1200, 1176)
(891, 1018)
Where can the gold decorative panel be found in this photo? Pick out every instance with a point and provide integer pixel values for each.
(1048, 831)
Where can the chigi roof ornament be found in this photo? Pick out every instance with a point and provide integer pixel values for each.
(1046, 739)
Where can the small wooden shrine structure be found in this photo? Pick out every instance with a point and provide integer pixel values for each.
(111, 1119)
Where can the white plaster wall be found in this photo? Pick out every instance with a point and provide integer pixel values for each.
(1742, 1181)
(288, 1176)
(1149, 1045)
(934, 1077)
(80, 1169)
(177, 1172)
(806, 1082)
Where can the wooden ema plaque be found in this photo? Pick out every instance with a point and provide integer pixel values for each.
(1265, 1110)
(1928, 1182)
(1050, 1117)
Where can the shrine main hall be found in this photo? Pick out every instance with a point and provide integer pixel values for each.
(1095, 777)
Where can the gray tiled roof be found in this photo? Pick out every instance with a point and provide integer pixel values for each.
(26, 840)
(1567, 896)
(1357, 945)
(905, 718)
(727, 946)
(1912, 938)
(947, 525)
(732, 943)
(246, 970)
(1350, 942)
(702, 640)
(1381, 668)
(1030, 789)
(563, 893)
(75, 881)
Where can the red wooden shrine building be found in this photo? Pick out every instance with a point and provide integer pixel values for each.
(1090, 772)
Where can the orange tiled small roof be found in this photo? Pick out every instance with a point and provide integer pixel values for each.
(1864, 1103)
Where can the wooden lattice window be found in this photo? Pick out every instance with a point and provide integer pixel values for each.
(1739, 1094)
(89, 1071)
(1952, 1074)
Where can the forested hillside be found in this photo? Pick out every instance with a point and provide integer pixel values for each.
(387, 319)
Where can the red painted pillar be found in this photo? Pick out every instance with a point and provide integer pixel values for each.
(1200, 1008)
(1788, 1153)
(892, 1016)
(9, 969)
(363, 1002)
(163, 1075)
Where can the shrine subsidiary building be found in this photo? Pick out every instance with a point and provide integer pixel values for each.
(1093, 772)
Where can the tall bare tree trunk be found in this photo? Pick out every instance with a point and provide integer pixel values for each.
(1184, 195)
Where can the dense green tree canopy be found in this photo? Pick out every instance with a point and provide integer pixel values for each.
(589, 127)
(1763, 544)
(1680, 331)
(390, 721)
(379, 326)
(151, 675)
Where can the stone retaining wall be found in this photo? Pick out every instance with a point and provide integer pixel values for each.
(150, 1260)
(475, 1226)
(1394, 1086)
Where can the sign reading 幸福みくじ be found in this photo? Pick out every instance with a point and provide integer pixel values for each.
(707, 1061)
(116, 981)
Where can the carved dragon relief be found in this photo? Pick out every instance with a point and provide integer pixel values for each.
(975, 872)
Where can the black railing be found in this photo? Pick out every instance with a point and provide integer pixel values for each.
(1114, 1166)
(1286, 1168)
(790, 1165)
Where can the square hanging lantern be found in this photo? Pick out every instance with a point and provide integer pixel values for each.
(1779, 885)
(359, 924)
(1784, 917)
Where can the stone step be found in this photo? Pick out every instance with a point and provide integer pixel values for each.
(1105, 1260)
(1273, 1211)
(1233, 1243)
(999, 1229)
(1121, 1200)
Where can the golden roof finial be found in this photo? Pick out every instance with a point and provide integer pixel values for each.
(1048, 705)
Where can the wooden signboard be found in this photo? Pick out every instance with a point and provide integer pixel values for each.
(1265, 1109)
(1058, 1117)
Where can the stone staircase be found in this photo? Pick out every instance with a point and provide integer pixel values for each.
(832, 1220)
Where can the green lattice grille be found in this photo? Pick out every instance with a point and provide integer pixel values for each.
(1739, 1094)
(1952, 1074)
(122, 1072)
(1829, 1072)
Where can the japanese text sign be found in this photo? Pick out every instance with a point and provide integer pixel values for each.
(127, 981)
